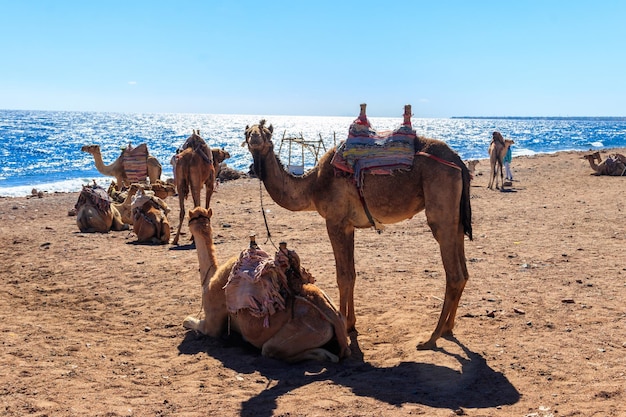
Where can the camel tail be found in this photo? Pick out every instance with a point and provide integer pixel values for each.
(466, 207)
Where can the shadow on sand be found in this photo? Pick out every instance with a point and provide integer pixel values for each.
(476, 385)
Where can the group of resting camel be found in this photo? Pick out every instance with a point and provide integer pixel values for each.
(273, 301)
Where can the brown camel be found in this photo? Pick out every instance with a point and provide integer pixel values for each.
(125, 207)
(497, 150)
(304, 320)
(95, 213)
(471, 166)
(193, 169)
(150, 222)
(117, 170)
(438, 183)
(614, 164)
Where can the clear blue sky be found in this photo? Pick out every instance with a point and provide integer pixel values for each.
(446, 58)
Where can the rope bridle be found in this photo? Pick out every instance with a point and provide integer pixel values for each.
(258, 166)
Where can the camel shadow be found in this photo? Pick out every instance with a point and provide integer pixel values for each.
(475, 385)
(188, 246)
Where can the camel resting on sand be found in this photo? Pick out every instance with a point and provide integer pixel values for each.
(150, 222)
(471, 166)
(437, 183)
(304, 320)
(614, 164)
(95, 213)
(497, 150)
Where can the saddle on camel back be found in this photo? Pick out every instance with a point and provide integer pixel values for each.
(261, 284)
(380, 153)
(135, 162)
(95, 196)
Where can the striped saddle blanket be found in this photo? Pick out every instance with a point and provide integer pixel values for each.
(373, 152)
(135, 163)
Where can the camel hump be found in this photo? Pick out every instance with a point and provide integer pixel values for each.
(94, 195)
(255, 284)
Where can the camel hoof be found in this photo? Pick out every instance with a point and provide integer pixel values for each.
(428, 345)
(191, 323)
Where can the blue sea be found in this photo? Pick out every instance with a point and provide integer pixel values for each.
(41, 149)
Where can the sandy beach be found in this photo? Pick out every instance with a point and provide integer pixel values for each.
(91, 324)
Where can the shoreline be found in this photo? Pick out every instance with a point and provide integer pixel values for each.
(48, 188)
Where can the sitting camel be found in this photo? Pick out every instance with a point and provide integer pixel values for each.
(125, 207)
(471, 166)
(497, 150)
(95, 213)
(278, 309)
(194, 168)
(150, 222)
(118, 170)
(614, 164)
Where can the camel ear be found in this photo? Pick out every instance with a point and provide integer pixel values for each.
(210, 212)
(271, 129)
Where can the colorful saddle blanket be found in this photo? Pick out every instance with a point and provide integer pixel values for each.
(135, 163)
(366, 150)
(94, 195)
(256, 283)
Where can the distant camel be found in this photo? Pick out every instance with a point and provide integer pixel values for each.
(126, 164)
(614, 164)
(471, 166)
(95, 213)
(194, 168)
(497, 151)
(150, 222)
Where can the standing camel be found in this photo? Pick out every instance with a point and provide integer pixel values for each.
(497, 150)
(304, 318)
(438, 182)
(193, 169)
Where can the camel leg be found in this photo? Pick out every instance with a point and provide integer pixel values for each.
(493, 173)
(301, 337)
(181, 216)
(444, 221)
(342, 240)
(209, 187)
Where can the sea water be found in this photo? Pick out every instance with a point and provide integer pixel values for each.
(42, 149)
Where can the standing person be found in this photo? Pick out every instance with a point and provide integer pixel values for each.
(507, 164)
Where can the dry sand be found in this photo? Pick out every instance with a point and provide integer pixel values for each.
(91, 323)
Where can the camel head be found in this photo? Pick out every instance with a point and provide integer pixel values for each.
(497, 137)
(471, 165)
(195, 140)
(92, 149)
(200, 221)
(220, 155)
(589, 157)
(259, 138)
